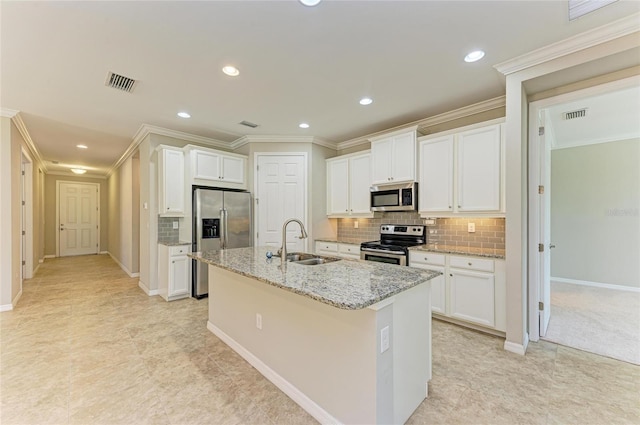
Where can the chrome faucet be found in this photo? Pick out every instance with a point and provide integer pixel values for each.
(282, 252)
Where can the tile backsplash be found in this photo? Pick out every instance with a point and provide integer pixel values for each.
(166, 232)
(446, 231)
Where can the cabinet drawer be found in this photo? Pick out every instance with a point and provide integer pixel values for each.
(178, 250)
(349, 249)
(326, 246)
(472, 263)
(424, 257)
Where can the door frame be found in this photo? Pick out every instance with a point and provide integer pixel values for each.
(26, 218)
(535, 260)
(256, 188)
(98, 212)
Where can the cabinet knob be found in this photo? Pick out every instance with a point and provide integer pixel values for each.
(449, 206)
(459, 206)
(346, 210)
(469, 264)
(173, 262)
(451, 274)
(426, 259)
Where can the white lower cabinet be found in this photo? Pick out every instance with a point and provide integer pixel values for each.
(173, 272)
(471, 289)
(334, 249)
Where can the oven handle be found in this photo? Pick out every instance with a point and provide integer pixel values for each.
(383, 253)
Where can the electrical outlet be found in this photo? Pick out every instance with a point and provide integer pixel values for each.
(430, 222)
(471, 227)
(355, 224)
(175, 224)
(259, 321)
(384, 339)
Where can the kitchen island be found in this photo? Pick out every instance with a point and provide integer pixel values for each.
(349, 341)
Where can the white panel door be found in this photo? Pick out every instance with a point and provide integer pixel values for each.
(359, 184)
(78, 215)
(436, 174)
(281, 195)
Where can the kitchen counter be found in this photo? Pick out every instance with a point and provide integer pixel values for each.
(345, 284)
(173, 243)
(455, 249)
(349, 341)
(353, 241)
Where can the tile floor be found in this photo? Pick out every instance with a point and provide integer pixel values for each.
(86, 346)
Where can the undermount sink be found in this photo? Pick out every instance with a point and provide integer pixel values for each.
(309, 259)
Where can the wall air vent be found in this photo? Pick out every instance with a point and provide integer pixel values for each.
(120, 82)
(248, 124)
(580, 113)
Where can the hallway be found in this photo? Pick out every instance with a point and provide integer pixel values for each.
(86, 346)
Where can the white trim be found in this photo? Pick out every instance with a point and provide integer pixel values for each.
(27, 192)
(584, 40)
(517, 348)
(596, 284)
(70, 174)
(14, 302)
(22, 128)
(392, 133)
(619, 138)
(149, 292)
(6, 307)
(285, 386)
(122, 266)
(8, 113)
(476, 108)
(282, 139)
(17, 298)
(48, 256)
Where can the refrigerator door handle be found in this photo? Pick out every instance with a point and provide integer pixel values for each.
(223, 231)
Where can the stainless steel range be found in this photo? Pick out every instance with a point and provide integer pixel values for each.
(394, 243)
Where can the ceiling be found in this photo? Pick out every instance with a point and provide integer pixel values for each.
(297, 64)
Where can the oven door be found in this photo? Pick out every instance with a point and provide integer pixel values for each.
(383, 257)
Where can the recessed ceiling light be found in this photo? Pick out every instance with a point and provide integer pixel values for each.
(231, 71)
(78, 170)
(82, 147)
(366, 101)
(310, 2)
(184, 115)
(303, 125)
(474, 56)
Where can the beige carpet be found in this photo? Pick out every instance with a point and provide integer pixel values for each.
(597, 320)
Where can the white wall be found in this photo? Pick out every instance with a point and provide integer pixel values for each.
(595, 213)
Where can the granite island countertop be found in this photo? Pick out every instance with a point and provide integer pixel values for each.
(345, 284)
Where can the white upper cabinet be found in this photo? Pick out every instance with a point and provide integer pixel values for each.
(215, 168)
(462, 172)
(348, 181)
(170, 181)
(393, 157)
(479, 169)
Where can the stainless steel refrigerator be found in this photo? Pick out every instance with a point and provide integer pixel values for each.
(221, 220)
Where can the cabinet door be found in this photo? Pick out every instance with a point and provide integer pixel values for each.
(436, 175)
(438, 286)
(472, 296)
(359, 184)
(206, 166)
(337, 187)
(350, 251)
(172, 182)
(404, 158)
(232, 169)
(381, 152)
(179, 276)
(479, 169)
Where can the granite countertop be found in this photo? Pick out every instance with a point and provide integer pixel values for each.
(455, 249)
(174, 243)
(345, 284)
(353, 241)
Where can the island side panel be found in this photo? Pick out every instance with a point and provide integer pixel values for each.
(327, 353)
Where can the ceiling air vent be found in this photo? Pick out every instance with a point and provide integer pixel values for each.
(120, 82)
(248, 124)
(580, 113)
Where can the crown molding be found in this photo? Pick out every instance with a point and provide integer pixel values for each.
(147, 129)
(8, 113)
(282, 139)
(476, 108)
(593, 37)
(22, 128)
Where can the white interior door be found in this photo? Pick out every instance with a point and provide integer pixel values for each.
(281, 195)
(23, 225)
(78, 219)
(545, 233)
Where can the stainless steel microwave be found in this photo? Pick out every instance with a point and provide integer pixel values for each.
(394, 197)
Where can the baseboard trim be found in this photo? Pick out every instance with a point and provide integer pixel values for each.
(285, 386)
(514, 347)
(49, 256)
(6, 307)
(17, 298)
(150, 292)
(122, 266)
(596, 284)
(33, 273)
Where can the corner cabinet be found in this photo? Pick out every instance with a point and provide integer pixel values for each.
(348, 182)
(209, 167)
(171, 186)
(173, 272)
(462, 172)
(471, 291)
(393, 157)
